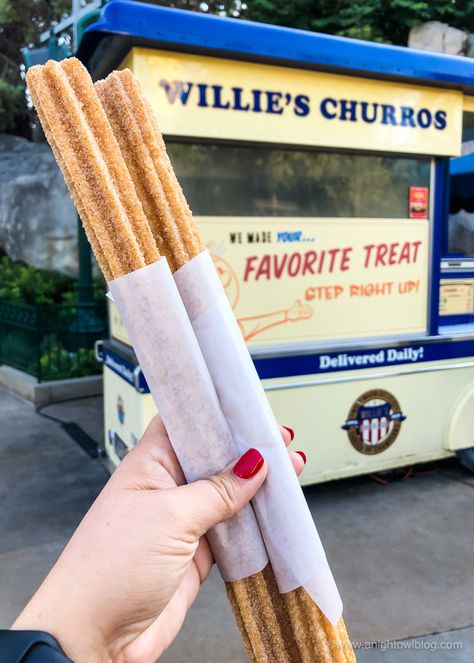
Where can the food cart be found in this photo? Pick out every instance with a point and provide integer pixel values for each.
(317, 170)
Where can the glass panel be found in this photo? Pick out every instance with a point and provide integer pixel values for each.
(231, 180)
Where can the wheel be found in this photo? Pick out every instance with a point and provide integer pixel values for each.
(466, 457)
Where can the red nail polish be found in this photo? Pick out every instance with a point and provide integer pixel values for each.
(303, 455)
(249, 464)
(291, 432)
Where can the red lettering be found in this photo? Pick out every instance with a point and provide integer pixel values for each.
(405, 253)
(309, 260)
(392, 258)
(368, 250)
(279, 267)
(391, 254)
(322, 258)
(294, 264)
(416, 246)
(263, 268)
(333, 253)
(345, 259)
(249, 266)
(382, 250)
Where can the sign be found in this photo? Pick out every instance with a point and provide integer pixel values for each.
(207, 97)
(294, 280)
(374, 421)
(321, 363)
(456, 297)
(418, 202)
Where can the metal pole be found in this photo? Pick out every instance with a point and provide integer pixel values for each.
(86, 321)
(85, 283)
(76, 8)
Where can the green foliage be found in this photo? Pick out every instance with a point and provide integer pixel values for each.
(52, 336)
(21, 22)
(377, 20)
(26, 284)
(57, 363)
(12, 105)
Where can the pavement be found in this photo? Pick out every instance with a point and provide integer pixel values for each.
(401, 552)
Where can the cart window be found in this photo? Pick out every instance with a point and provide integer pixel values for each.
(230, 180)
(461, 212)
(461, 221)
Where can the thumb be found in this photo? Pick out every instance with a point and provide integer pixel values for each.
(209, 501)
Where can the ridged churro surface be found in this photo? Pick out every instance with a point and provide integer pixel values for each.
(144, 151)
(113, 158)
(275, 628)
(91, 236)
(98, 123)
(95, 188)
(299, 633)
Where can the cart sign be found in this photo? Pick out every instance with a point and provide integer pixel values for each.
(456, 297)
(207, 97)
(294, 280)
(418, 203)
(374, 421)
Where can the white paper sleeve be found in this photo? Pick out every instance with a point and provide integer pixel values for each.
(179, 381)
(290, 536)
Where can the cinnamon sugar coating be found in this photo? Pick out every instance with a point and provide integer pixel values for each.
(113, 158)
(95, 190)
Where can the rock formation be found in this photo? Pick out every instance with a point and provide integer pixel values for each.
(37, 218)
(440, 38)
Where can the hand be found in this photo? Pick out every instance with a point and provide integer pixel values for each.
(299, 311)
(121, 588)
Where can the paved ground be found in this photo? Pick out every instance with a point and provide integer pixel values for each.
(402, 553)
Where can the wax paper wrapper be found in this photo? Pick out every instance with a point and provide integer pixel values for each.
(293, 544)
(173, 365)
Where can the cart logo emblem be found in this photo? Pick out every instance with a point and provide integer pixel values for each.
(120, 410)
(374, 421)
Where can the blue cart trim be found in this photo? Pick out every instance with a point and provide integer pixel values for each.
(125, 369)
(150, 25)
(340, 360)
(324, 362)
(462, 165)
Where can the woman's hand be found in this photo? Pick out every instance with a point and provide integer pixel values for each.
(121, 588)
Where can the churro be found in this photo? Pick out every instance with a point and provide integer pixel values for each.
(287, 628)
(96, 186)
(162, 198)
(91, 236)
(114, 161)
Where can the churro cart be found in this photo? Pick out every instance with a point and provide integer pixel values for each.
(317, 168)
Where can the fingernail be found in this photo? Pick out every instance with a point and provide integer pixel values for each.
(249, 464)
(303, 455)
(291, 432)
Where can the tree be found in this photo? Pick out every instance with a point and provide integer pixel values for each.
(21, 22)
(386, 21)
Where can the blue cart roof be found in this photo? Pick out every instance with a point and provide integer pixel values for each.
(462, 165)
(123, 25)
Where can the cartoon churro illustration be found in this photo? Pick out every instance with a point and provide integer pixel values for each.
(253, 325)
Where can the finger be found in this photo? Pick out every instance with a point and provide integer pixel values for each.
(210, 501)
(203, 559)
(298, 460)
(288, 434)
(147, 460)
